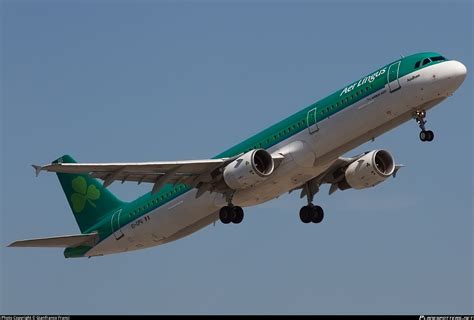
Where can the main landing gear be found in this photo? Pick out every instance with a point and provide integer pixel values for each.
(311, 213)
(231, 213)
(425, 135)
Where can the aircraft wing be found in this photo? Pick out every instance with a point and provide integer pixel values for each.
(59, 242)
(191, 172)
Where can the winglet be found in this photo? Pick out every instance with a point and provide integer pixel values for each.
(37, 169)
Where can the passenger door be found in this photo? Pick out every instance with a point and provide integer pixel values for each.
(312, 120)
(392, 76)
(115, 222)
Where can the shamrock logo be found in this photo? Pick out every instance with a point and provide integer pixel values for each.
(83, 193)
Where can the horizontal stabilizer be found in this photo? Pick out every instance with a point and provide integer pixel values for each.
(37, 169)
(59, 242)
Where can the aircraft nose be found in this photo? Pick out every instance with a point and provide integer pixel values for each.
(455, 74)
(459, 71)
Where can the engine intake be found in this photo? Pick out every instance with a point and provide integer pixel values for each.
(248, 170)
(368, 171)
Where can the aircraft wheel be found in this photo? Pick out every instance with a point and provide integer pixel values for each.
(226, 215)
(430, 135)
(238, 215)
(318, 214)
(306, 214)
(423, 135)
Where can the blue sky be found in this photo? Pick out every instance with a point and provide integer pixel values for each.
(110, 81)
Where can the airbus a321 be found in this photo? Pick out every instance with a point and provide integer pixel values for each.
(299, 153)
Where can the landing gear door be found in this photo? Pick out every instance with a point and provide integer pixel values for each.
(392, 75)
(115, 222)
(312, 120)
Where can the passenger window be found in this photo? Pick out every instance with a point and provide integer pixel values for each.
(426, 61)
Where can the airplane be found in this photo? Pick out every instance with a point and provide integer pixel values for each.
(299, 153)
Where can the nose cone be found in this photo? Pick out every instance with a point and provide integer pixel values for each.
(457, 73)
(459, 70)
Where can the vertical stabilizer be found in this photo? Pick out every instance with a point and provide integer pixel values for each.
(89, 200)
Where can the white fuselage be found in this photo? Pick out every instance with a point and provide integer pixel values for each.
(306, 155)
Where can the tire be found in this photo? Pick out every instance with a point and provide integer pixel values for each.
(430, 135)
(423, 135)
(225, 215)
(306, 214)
(238, 215)
(318, 214)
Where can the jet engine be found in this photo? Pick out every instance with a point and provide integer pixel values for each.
(368, 171)
(248, 170)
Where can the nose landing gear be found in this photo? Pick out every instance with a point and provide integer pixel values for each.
(425, 135)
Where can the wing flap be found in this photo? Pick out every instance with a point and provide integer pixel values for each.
(59, 242)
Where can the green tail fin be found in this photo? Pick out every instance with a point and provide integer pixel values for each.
(88, 199)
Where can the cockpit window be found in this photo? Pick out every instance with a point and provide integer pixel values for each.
(417, 64)
(426, 61)
(439, 58)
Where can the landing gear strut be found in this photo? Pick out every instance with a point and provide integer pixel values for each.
(311, 213)
(425, 135)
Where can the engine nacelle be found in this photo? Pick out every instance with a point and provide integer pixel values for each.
(248, 170)
(368, 171)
